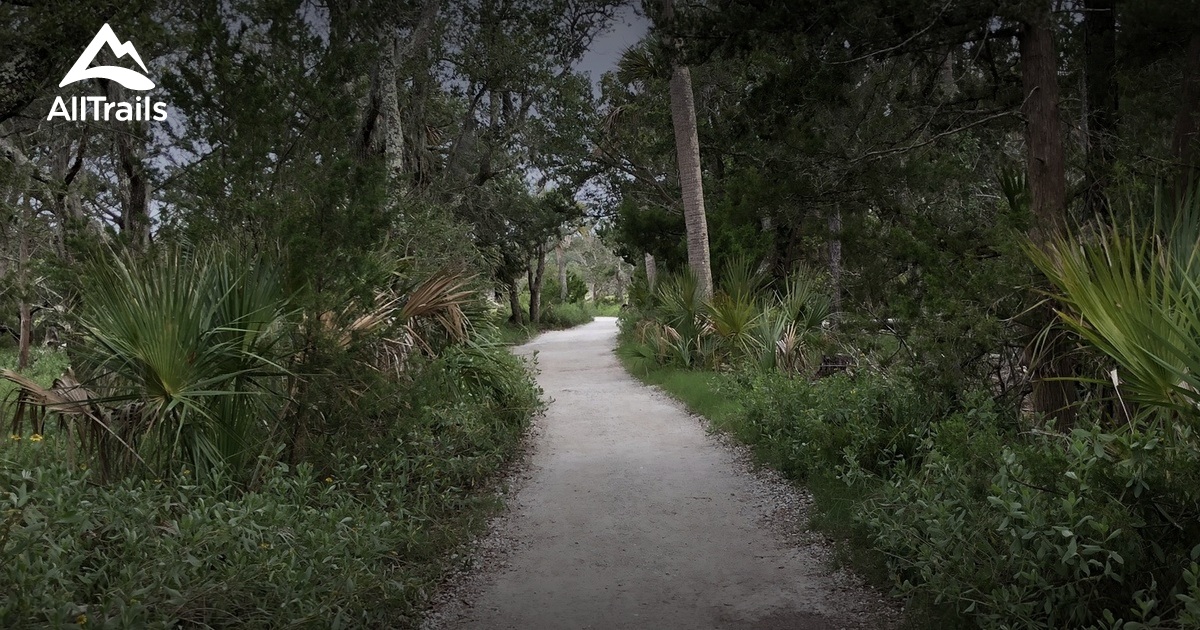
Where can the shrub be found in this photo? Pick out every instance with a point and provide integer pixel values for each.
(181, 363)
(356, 538)
(1060, 533)
(863, 422)
(566, 315)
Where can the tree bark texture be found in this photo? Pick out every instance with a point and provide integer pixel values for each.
(26, 311)
(1048, 192)
(687, 150)
(835, 259)
(537, 275)
(562, 273)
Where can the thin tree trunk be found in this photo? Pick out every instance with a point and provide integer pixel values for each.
(131, 153)
(1183, 139)
(26, 335)
(835, 260)
(1101, 96)
(537, 273)
(1048, 192)
(562, 273)
(687, 150)
(1043, 132)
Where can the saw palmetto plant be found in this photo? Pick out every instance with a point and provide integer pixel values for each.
(1132, 290)
(423, 315)
(182, 363)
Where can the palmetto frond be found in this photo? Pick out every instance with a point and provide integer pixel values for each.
(1132, 292)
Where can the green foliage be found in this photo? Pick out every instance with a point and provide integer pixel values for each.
(567, 315)
(979, 521)
(1133, 293)
(354, 539)
(46, 364)
(576, 290)
(745, 322)
(1049, 532)
(181, 362)
(865, 421)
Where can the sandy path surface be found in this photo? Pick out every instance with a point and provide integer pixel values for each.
(629, 515)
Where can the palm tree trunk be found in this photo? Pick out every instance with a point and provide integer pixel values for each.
(687, 150)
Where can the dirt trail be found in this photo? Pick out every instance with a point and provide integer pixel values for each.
(630, 515)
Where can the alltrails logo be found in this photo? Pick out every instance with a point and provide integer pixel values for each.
(100, 108)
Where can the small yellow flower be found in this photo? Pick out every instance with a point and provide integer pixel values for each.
(36, 437)
(264, 545)
(186, 472)
(15, 437)
(329, 480)
(81, 620)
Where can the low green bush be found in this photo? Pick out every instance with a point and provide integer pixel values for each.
(355, 536)
(567, 315)
(867, 421)
(1091, 529)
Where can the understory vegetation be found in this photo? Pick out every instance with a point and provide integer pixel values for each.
(971, 507)
(247, 465)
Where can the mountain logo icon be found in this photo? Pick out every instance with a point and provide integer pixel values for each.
(129, 78)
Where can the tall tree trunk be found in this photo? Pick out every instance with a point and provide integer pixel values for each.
(67, 206)
(651, 271)
(382, 131)
(26, 337)
(1043, 131)
(835, 260)
(1100, 78)
(1048, 192)
(514, 303)
(26, 334)
(1183, 139)
(687, 150)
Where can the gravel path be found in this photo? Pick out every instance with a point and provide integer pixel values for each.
(628, 514)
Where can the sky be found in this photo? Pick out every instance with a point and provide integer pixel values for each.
(625, 31)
